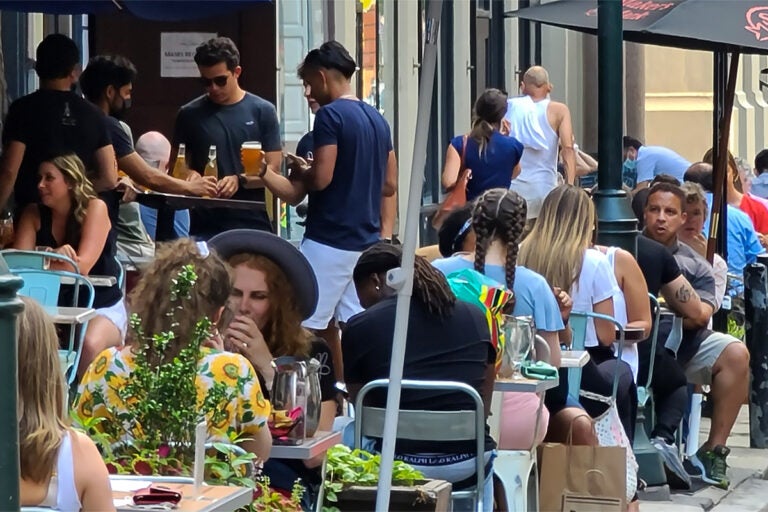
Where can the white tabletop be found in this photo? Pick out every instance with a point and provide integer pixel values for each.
(105, 281)
(523, 385)
(310, 448)
(573, 358)
(70, 316)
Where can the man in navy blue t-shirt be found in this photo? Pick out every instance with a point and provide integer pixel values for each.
(354, 166)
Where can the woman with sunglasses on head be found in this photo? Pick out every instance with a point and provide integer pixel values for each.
(70, 220)
(274, 289)
(60, 467)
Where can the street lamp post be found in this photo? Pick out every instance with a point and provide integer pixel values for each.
(616, 224)
(10, 307)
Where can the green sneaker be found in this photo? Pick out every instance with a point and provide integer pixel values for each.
(712, 465)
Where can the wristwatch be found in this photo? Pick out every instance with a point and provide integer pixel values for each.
(242, 181)
(263, 170)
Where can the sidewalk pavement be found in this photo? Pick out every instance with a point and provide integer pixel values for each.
(749, 479)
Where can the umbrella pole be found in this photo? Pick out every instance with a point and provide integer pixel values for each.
(616, 224)
(723, 109)
(402, 279)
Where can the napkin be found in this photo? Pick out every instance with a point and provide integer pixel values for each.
(538, 370)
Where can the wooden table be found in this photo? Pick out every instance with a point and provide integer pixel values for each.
(209, 498)
(70, 316)
(167, 204)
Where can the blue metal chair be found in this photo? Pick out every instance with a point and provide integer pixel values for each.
(578, 322)
(44, 287)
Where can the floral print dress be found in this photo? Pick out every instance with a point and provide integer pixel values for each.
(247, 412)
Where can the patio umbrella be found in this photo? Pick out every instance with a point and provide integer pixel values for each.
(158, 10)
(733, 26)
(727, 25)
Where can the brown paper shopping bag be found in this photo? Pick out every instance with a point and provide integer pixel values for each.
(594, 472)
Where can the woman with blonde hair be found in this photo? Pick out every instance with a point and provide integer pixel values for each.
(60, 468)
(70, 220)
(560, 248)
(152, 302)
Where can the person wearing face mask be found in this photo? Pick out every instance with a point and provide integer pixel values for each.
(107, 82)
(643, 163)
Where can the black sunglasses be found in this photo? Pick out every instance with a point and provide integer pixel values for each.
(220, 81)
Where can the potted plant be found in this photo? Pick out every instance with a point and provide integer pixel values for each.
(352, 478)
(154, 434)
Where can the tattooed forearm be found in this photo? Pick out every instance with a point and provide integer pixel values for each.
(683, 294)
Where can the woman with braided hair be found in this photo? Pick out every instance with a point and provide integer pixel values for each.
(447, 339)
(498, 221)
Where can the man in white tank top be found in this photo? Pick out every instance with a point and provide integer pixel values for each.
(538, 165)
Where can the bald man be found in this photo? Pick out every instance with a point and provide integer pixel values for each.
(155, 149)
(538, 165)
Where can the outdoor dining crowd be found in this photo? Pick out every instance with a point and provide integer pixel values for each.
(70, 174)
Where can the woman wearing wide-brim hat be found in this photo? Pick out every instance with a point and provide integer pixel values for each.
(274, 290)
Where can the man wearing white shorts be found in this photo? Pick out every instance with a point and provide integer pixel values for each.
(353, 167)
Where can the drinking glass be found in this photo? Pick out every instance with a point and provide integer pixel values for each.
(519, 332)
(251, 156)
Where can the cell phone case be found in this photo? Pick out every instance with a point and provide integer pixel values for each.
(155, 494)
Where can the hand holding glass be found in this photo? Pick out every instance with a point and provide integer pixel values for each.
(252, 157)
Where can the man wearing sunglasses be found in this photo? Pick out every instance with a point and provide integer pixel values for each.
(225, 117)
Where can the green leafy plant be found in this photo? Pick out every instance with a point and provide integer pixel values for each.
(154, 433)
(346, 467)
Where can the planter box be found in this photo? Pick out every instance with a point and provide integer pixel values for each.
(425, 496)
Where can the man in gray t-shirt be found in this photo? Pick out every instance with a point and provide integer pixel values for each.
(225, 117)
(708, 357)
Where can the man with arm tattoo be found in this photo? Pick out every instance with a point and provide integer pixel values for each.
(669, 385)
(708, 357)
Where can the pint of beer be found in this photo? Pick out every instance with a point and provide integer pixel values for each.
(251, 156)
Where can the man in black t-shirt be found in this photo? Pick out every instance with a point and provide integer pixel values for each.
(53, 121)
(225, 117)
(708, 357)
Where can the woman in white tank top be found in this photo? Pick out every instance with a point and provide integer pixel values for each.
(60, 468)
(631, 305)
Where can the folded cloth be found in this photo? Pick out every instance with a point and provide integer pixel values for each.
(538, 370)
(524, 123)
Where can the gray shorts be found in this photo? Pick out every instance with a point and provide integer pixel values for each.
(699, 368)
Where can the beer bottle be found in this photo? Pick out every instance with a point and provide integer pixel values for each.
(180, 166)
(211, 169)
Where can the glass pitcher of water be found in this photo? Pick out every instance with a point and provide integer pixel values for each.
(519, 333)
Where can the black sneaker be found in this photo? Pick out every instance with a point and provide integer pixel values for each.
(712, 465)
(677, 476)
